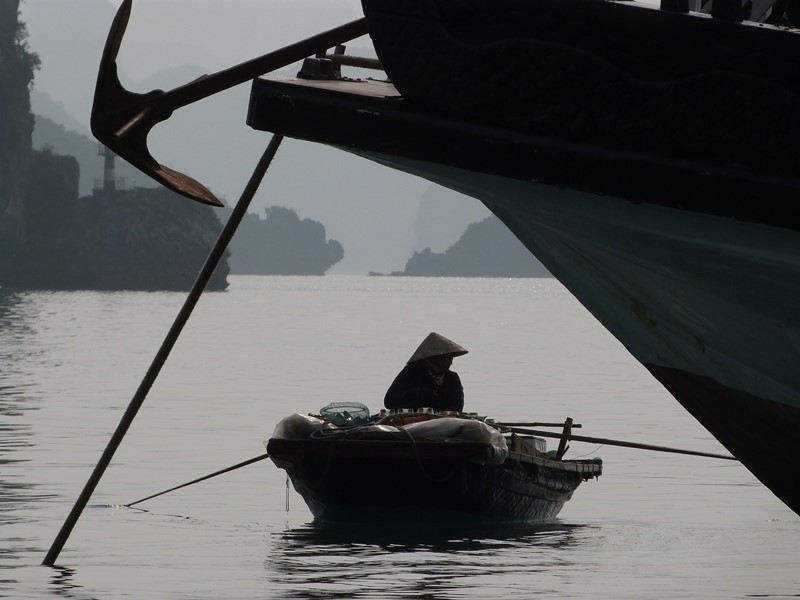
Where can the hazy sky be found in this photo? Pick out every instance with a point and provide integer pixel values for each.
(370, 209)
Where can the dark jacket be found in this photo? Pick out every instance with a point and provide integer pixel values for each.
(415, 388)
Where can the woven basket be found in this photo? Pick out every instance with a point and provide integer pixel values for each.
(345, 414)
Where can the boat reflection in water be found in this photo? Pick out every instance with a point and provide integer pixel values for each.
(647, 156)
(393, 536)
(407, 560)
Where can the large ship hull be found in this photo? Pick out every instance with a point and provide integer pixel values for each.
(708, 305)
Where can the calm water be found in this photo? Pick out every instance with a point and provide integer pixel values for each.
(653, 526)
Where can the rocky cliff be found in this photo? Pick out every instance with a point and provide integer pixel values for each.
(17, 66)
(52, 239)
(486, 249)
(281, 244)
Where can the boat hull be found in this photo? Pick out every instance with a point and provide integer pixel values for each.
(425, 481)
(624, 75)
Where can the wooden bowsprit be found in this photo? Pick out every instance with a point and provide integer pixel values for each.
(166, 347)
(122, 120)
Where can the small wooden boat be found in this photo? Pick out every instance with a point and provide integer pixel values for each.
(424, 467)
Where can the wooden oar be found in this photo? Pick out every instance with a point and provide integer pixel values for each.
(536, 424)
(161, 356)
(608, 442)
(199, 479)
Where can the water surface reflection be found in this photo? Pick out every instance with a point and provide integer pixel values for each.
(64, 586)
(423, 561)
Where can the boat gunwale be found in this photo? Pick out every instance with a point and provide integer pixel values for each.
(293, 449)
(311, 111)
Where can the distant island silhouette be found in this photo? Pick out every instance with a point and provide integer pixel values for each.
(486, 249)
(53, 237)
(281, 244)
(63, 223)
(147, 239)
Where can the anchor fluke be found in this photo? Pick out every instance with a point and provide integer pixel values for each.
(122, 120)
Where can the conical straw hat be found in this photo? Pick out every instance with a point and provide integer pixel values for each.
(436, 345)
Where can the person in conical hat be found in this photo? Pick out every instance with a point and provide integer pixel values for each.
(426, 380)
